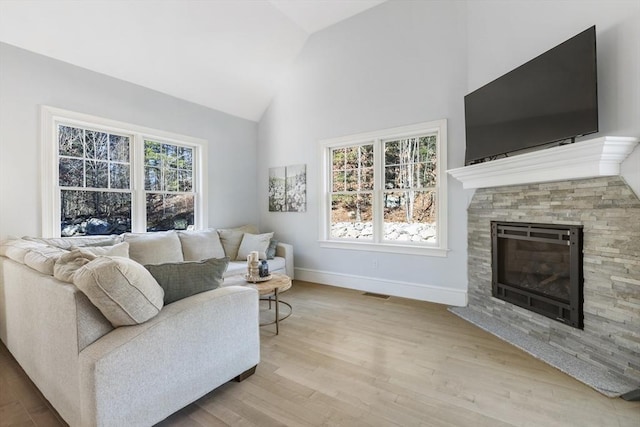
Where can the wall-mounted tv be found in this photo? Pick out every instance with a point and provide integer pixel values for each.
(551, 98)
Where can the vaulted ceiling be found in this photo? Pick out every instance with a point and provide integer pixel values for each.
(230, 55)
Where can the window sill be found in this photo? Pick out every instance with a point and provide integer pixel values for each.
(385, 247)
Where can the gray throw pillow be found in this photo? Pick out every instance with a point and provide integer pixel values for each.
(183, 279)
(271, 250)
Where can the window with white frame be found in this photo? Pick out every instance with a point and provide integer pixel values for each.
(386, 190)
(106, 177)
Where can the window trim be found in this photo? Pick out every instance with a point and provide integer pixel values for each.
(50, 117)
(377, 137)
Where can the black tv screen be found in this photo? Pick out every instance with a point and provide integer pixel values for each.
(551, 98)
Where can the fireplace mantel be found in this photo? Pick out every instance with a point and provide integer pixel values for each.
(584, 159)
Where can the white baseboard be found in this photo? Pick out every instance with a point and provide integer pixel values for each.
(419, 291)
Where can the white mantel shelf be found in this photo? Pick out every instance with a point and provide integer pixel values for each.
(584, 159)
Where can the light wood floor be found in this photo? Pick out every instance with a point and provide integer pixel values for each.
(346, 359)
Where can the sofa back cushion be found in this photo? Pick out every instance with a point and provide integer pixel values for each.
(183, 279)
(119, 249)
(154, 248)
(17, 249)
(67, 265)
(232, 237)
(123, 290)
(43, 259)
(199, 245)
(68, 242)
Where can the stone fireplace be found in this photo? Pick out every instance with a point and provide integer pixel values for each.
(608, 212)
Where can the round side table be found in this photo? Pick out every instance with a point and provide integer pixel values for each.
(271, 290)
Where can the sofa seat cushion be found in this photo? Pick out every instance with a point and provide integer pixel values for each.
(200, 245)
(183, 279)
(122, 289)
(154, 248)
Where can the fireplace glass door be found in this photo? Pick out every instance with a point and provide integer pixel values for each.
(539, 267)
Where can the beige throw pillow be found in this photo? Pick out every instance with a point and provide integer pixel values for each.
(123, 290)
(254, 242)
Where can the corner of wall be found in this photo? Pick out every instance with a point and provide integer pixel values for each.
(630, 170)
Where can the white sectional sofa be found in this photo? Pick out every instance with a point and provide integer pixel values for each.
(95, 373)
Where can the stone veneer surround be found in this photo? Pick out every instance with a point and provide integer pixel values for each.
(610, 213)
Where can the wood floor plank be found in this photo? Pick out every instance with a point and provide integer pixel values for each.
(21, 403)
(346, 359)
(13, 414)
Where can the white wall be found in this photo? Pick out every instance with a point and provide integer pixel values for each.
(505, 34)
(28, 80)
(403, 62)
(396, 64)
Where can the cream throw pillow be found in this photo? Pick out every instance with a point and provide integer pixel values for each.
(123, 290)
(254, 242)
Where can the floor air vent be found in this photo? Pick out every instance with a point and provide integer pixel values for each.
(371, 294)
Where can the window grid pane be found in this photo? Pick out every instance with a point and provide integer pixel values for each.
(408, 198)
(352, 192)
(90, 164)
(409, 216)
(352, 168)
(352, 216)
(169, 186)
(87, 157)
(94, 212)
(169, 211)
(410, 163)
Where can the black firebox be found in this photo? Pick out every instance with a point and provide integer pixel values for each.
(539, 267)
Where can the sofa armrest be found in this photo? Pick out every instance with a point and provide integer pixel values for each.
(285, 250)
(138, 375)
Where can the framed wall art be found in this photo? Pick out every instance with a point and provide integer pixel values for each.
(288, 189)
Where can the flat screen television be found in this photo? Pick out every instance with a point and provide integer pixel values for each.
(551, 98)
